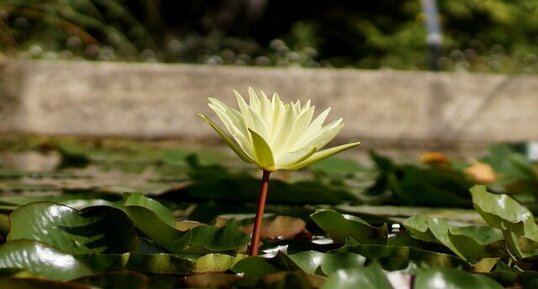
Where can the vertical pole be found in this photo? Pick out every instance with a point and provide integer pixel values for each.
(434, 38)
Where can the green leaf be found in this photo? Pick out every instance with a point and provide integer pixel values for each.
(160, 263)
(402, 255)
(231, 143)
(216, 262)
(309, 261)
(510, 165)
(431, 230)
(452, 278)
(74, 200)
(94, 229)
(429, 187)
(161, 212)
(156, 221)
(500, 210)
(370, 277)
(42, 259)
(514, 220)
(259, 266)
(453, 214)
(477, 242)
(313, 262)
(205, 239)
(153, 219)
(465, 242)
(339, 226)
(255, 267)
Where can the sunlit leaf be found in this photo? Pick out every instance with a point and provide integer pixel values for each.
(255, 267)
(259, 266)
(477, 242)
(206, 239)
(156, 222)
(94, 229)
(160, 263)
(42, 259)
(472, 242)
(431, 230)
(153, 219)
(452, 278)
(370, 277)
(517, 223)
(402, 255)
(216, 262)
(313, 262)
(339, 226)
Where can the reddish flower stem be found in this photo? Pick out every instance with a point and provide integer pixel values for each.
(255, 243)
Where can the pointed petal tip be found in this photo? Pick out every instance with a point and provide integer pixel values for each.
(237, 94)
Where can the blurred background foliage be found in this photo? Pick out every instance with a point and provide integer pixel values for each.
(478, 35)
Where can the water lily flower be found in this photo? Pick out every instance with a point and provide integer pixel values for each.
(274, 136)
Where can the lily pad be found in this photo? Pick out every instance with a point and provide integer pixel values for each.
(517, 223)
(452, 278)
(314, 262)
(156, 221)
(94, 229)
(42, 260)
(370, 277)
(339, 226)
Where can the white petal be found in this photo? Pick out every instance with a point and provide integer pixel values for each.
(254, 101)
(316, 124)
(241, 153)
(235, 132)
(299, 126)
(266, 111)
(258, 124)
(283, 131)
(325, 135)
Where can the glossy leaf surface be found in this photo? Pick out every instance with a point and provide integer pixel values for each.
(94, 229)
(339, 226)
(42, 260)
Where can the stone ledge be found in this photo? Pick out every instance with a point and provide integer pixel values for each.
(160, 100)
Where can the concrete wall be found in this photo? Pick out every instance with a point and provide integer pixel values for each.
(160, 100)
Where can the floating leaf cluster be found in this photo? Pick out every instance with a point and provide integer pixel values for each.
(339, 224)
